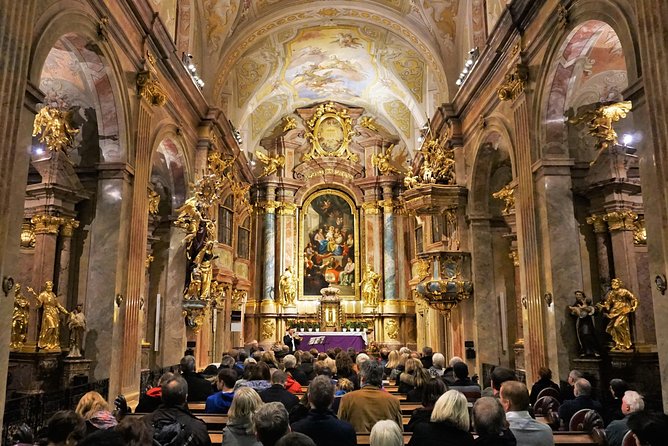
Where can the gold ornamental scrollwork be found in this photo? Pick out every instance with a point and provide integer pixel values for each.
(330, 132)
(383, 161)
(68, 225)
(153, 201)
(515, 257)
(368, 122)
(289, 123)
(392, 328)
(514, 83)
(371, 208)
(507, 194)
(55, 128)
(269, 206)
(271, 163)
(621, 220)
(287, 209)
(28, 239)
(268, 329)
(599, 223)
(438, 164)
(46, 224)
(640, 232)
(149, 87)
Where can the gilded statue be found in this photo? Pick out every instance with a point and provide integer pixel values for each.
(271, 162)
(49, 332)
(289, 123)
(599, 118)
(20, 318)
(288, 287)
(507, 194)
(54, 126)
(370, 286)
(618, 304)
(77, 325)
(438, 165)
(383, 161)
(367, 122)
(153, 201)
(584, 312)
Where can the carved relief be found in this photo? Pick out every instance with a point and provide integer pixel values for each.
(268, 329)
(392, 328)
(400, 115)
(514, 83)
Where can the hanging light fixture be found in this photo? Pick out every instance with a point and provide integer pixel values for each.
(447, 287)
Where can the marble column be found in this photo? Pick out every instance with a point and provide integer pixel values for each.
(66, 231)
(269, 251)
(602, 248)
(389, 246)
(621, 225)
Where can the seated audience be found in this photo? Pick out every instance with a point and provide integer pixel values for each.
(134, 432)
(344, 369)
(343, 386)
(65, 427)
(649, 428)
(431, 392)
(612, 410)
(221, 401)
(449, 372)
(295, 439)
(399, 368)
(386, 433)
(544, 382)
(321, 368)
(94, 409)
(278, 393)
(363, 408)
(406, 381)
(271, 423)
(438, 365)
(241, 359)
(228, 362)
(422, 377)
(384, 356)
(567, 388)
(306, 366)
(498, 377)
(489, 422)
(199, 388)
(391, 364)
(583, 400)
(462, 376)
(514, 398)
(174, 410)
(427, 359)
(321, 424)
(256, 376)
(239, 430)
(269, 358)
(150, 401)
(290, 364)
(631, 402)
(449, 424)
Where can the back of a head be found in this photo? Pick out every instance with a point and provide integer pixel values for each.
(290, 361)
(452, 406)
(432, 391)
(241, 355)
(104, 437)
(489, 418)
(574, 375)
(64, 425)
(545, 373)
(271, 423)
(279, 377)
(244, 403)
(295, 439)
(228, 377)
(187, 364)
(427, 351)
(227, 362)
(582, 387)
(500, 375)
(345, 385)
(516, 394)
(386, 433)
(454, 360)
(165, 377)
(461, 370)
(651, 428)
(633, 401)
(134, 431)
(361, 358)
(307, 358)
(618, 387)
(438, 360)
(321, 392)
(261, 372)
(175, 391)
(405, 351)
(90, 403)
(371, 373)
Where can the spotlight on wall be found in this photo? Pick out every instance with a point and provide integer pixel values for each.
(474, 53)
(627, 139)
(187, 60)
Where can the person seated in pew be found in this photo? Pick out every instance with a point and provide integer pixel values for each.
(343, 386)
(514, 398)
(544, 382)
(256, 376)
(427, 357)
(391, 364)
(431, 392)
(199, 388)
(499, 376)
(406, 381)
(386, 433)
(449, 373)
(271, 423)
(649, 428)
(422, 377)
(221, 401)
(345, 369)
(489, 421)
(438, 365)
(150, 401)
(295, 439)
(278, 393)
(583, 400)
(306, 366)
(612, 409)
(568, 386)
(449, 423)
(321, 424)
(290, 364)
(631, 402)
(240, 430)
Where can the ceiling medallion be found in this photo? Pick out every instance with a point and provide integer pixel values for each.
(330, 132)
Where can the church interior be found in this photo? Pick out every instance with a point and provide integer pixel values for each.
(488, 178)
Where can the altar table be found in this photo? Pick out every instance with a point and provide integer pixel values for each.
(324, 340)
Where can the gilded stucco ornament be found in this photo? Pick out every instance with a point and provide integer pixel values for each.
(507, 194)
(148, 84)
(268, 329)
(153, 201)
(383, 161)
(437, 167)
(514, 83)
(392, 329)
(55, 128)
(330, 133)
(289, 123)
(271, 162)
(28, 235)
(368, 122)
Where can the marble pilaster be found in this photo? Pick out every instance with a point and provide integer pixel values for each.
(603, 251)
(66, 231)
(269, 251)
(389, 246)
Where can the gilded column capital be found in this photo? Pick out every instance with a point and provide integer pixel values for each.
(514, 83)
(371, 208)
(269, 206)
(27, 235)
(621, 220)
(68, 226)
(46, 224)
(149, 88)
(515, 257)
(387, 204)
(599, 223)
(287, 209)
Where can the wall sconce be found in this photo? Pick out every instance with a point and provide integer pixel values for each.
(660, 281)
(119, 299)
(548, 299)
(525, 302)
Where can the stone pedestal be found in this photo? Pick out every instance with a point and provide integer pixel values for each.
(592, 368)
(75, 368)
(35, 371)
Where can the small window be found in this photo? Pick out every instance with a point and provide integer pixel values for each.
(243, 238)
(225, 216)
(436, 228)
(418, 240)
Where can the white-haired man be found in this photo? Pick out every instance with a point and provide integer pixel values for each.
(631, 402)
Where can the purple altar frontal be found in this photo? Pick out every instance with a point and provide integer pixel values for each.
(324, 340)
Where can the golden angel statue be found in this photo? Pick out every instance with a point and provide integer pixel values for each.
(49, 332)
(288, 287)
(383, 161)
(370, 286)
(77, 325)
(153, 201)
(289, 123)
(367, 122)
(19, 318)
(507, 194)
(618, 304)
(54, 126)
(599, 118)
(271, 162)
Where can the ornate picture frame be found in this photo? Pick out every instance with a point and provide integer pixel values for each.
(330, 133)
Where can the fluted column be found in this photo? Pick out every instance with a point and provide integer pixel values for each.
(622, 227)
(66, 231)
(602, 247)
(389, 246)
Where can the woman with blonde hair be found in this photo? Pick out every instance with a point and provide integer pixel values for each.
(449, 424)
(392, 362)
(386, 433)
(399, 368)
(407, 378)
(240, 430)
(94, 409)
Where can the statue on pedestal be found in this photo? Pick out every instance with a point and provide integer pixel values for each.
(370, 286)
(19, 318)
(618, 304)
(77, 326)
(584, 311)
(49, 331)
(288, 287)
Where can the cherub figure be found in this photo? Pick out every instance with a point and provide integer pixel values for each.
(272, 162)
(383, 162)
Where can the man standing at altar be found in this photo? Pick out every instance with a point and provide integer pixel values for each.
(291, 340)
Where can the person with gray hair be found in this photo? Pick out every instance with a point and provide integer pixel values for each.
(271, 423)
(438, 365)
(321, 424)
(199, 388)
(386, 433)
(489, 421)
(290, 364)
(632, 402)
(277, 392)
(583, 400)
(449, 373)
(365, 407)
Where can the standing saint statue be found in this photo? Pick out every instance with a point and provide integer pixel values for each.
(370, 286)
(618, 304)
(288, 287)
(19, 318)
(77, 325)
(584, 311)
(49, 331)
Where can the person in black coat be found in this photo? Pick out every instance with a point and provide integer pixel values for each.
(489, 420)
(427, 357)
(324, 428)
(544, 382)
(583, 400)
(277, 391)
(199, 388)
(449, 425)
(291, 340)
(431, 392)
(152, 399)
(290, 364)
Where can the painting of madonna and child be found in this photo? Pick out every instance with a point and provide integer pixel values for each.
(329, 245)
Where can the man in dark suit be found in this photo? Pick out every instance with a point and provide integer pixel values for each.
(291, 340)
(199, 388)
(427, 355)
(583, 400)
(277, 391)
